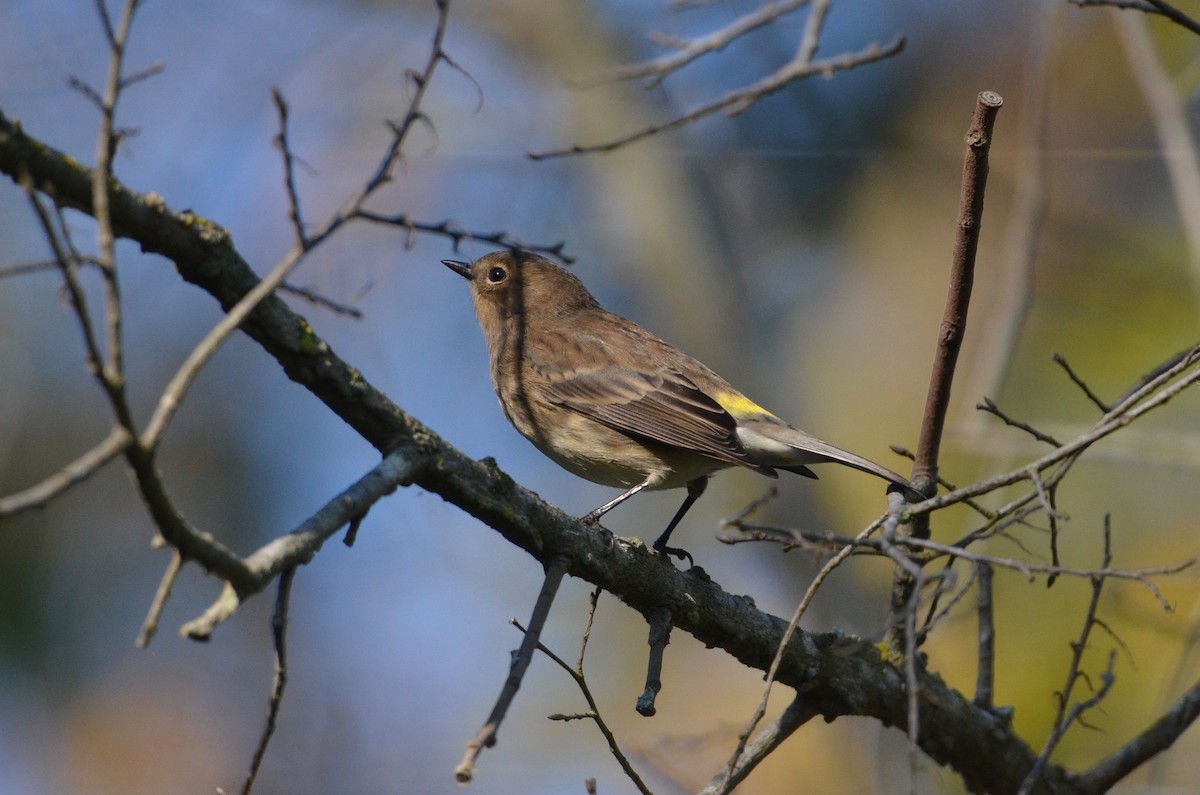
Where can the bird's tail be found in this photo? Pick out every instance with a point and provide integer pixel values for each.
(772, 442)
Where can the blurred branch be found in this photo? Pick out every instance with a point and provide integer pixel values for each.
(1149, 7)
(74, 473)
(802, 65)
(1008, 303)
(1171, 124)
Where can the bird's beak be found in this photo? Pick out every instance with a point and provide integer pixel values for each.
(463, 269)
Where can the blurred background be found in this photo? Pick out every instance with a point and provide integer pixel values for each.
(800, 249)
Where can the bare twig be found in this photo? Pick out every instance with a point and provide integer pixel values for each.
(458, 235)
(249, 575)
(1068, 713)
(593, 713)
(1061, 361)
(687, 51)
(202, 353)
(797, 713)
(150, 625)
(950, 335)
(1140, 402)
(740, 764)
(801, 65)
(1156, 738)
(289, 169)
(556, 569)
(72, 474)
(279, 622)
(315, 298)
(989, 406)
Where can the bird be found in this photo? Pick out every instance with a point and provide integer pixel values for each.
(612, 403)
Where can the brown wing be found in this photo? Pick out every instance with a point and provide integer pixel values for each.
(664, 406)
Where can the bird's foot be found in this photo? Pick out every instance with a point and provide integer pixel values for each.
(675, 552)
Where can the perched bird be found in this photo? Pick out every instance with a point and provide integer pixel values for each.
(611, 402)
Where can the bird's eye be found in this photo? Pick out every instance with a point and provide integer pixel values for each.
(497, 275)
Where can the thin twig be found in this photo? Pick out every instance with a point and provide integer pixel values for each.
(1065, 717)
(739, 100)
(556, 569)
(989, 406)
(279, 622)
(178, 386)
(797, 713)
(1061, 361)
(289, 169)
(661, 68)
(738, 761)
(593, 713)
(74, 473)
(459, 235)
(150, 625)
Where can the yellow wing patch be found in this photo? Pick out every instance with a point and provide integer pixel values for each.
(739, 406)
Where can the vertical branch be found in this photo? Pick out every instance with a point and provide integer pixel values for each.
(556, 569)
(279, 621)
(985, 677)
(660, 635)
(106, 147)
(962, 274)
(950, 336)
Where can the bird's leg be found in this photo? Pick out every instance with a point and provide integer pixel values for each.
(594, 516)
(694, 488)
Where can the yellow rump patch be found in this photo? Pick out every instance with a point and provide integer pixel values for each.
(739, 406)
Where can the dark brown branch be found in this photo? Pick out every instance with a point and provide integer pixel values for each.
(556, 569)
(958, 298)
